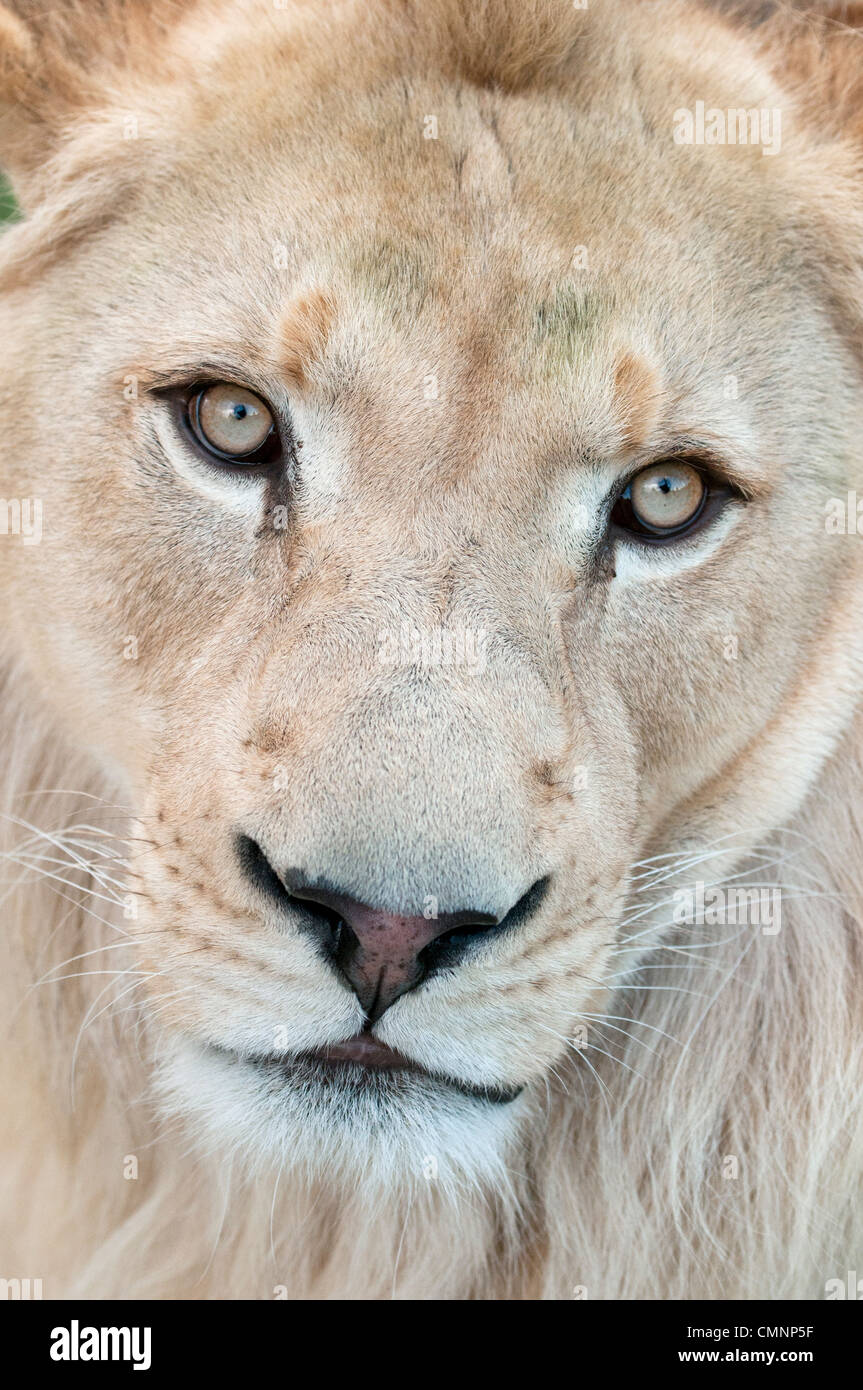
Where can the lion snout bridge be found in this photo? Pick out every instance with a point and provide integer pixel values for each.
(404, 829)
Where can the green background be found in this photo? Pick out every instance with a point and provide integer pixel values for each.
(7, 202)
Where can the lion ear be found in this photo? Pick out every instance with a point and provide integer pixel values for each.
(816, 48)
(57, 61)
(40, 92)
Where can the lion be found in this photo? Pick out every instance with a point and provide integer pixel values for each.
(431, 649)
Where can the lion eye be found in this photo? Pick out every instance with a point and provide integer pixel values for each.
(233, 424)
(662, 500)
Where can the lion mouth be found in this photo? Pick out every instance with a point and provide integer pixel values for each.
(365, 1062)
(365, 1050)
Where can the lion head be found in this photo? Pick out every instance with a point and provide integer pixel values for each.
(434, 412)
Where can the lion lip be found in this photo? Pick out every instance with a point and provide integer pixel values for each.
(366, 1051)
(366, 1054)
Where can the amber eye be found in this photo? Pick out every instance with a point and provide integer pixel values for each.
(233, 424)
(662, 500)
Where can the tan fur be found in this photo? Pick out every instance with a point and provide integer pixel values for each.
(186, 658)
(305, 331)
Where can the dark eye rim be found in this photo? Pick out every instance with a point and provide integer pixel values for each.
(623, 520)
(186, 401)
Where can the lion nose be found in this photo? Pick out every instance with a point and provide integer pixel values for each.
(380, 953)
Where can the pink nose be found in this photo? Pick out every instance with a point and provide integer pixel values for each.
(381, 953)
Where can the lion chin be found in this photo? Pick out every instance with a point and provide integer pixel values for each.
(349, 1127)
(431, 653)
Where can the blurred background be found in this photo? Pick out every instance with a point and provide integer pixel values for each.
(7, 202)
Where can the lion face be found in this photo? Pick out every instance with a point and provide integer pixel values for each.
(508, 603)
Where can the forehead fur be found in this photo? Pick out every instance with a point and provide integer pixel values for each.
(60, 67)
(448, 257)
(160, 102)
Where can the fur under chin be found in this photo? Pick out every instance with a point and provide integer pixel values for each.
(380, 1135)
(611, 1180)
